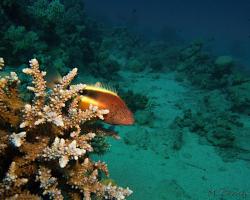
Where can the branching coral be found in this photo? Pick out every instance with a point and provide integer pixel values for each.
(1, 63)
(48, 183)
(48, 148)
(10, 103)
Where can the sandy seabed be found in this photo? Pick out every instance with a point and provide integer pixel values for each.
(157, 172)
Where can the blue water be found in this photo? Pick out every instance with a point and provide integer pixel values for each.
(224, 24)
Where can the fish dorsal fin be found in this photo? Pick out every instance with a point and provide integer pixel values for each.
(100, 87)
(98, 84)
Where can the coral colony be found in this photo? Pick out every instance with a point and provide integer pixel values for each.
(44, 150)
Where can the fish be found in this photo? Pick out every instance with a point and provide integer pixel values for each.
(101, 96)
(106, 98)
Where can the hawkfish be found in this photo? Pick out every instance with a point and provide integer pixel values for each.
(102, 97)
(105, 98)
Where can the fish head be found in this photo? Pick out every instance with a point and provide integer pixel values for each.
(119, 116)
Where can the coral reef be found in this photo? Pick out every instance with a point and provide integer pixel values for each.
(240, 97)
(224, 63)
(218, 128)
(202, 69)
(44, 148)
(105, 67)
(135, 65)
(47, 28)
(141, 102)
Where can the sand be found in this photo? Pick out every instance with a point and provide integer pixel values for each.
(152, 169)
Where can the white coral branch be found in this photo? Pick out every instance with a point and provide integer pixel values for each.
(115, 192)
(17, 139)
(49, 184)
(1, 63)
(63, 151)
(66, 80)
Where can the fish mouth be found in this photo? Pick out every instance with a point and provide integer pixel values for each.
(129, 120)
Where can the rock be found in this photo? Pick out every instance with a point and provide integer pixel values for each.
(221, 137)
(216, 101)
(224, 63)
(240, 97)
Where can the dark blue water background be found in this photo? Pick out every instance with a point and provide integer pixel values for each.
(224, 25)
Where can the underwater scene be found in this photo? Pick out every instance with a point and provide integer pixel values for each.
(135, 99)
